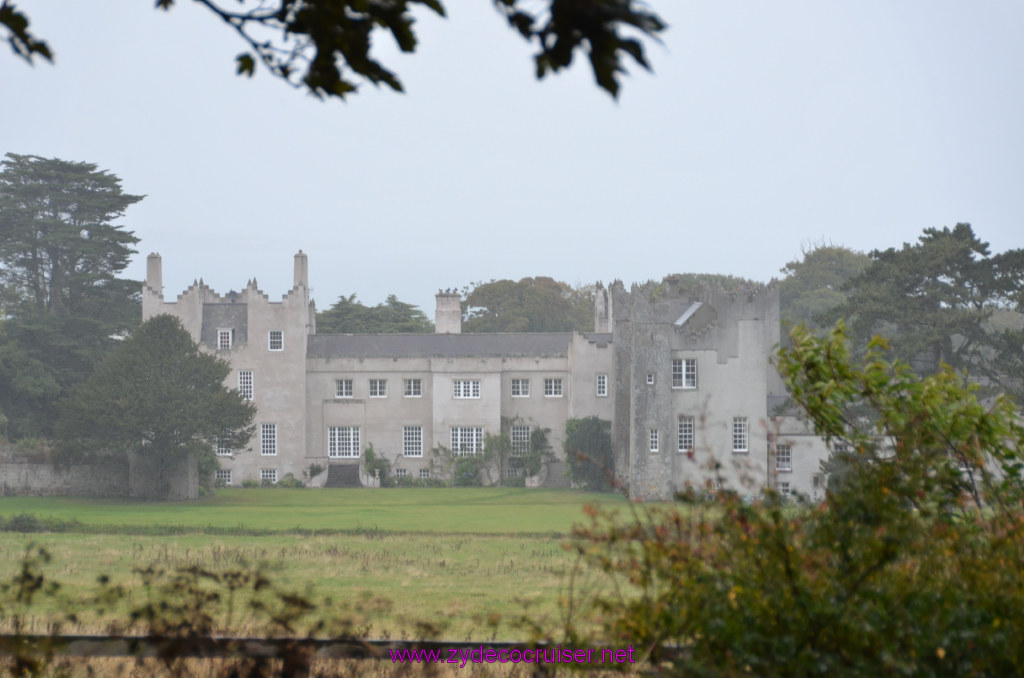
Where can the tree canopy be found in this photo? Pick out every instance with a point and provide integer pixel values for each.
(61, 302)
(157, 395)
(350, 316)
(936, 300)
(325, 46)
(531, 305)
(815, 286)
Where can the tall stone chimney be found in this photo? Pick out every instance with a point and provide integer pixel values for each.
(155, 274)
(448, 316)
(301, 270)
(602, 310)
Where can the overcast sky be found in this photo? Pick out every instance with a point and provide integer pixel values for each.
(767, 126)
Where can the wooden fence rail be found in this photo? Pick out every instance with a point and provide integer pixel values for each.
(295, 654)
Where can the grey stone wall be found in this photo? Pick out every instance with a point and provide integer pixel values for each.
(26, 478)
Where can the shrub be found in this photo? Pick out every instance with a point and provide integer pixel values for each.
(913, 565)
(290, 481)
(24, 522)
(250, 483)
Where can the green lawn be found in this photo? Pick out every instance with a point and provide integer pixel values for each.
(434, 510)
(463, 557)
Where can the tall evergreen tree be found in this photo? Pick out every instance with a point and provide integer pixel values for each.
(937, 301)
(61, 301)
(157, 395)
(350, 316)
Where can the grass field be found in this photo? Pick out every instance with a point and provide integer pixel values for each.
(447, 510)
(468, 560)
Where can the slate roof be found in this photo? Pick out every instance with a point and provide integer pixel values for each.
(539, 344)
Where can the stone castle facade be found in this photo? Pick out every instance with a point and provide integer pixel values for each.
(684, 375)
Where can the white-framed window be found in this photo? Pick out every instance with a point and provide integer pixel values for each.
(222, 449)
(222, 475)
(412, 388)
(685, 434)
(650, 378)
(412, 441)
(343, 442)
(602, 385)
(378, 388)
(268, 474)
(401, 473)
(520, 388)
(512, 471)
(655, 440)
(466, 388)
(684, 373)
(275, 340)
(740, 434)
(342, 388)
(553, 388)
(783, 457)
(840, 448)
(467, 440)
(784, 490)
(268, 440)
(424, 473)
(245, 388)
(225, 338)
(519, 436)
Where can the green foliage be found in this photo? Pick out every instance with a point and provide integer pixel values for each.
(250, 483)
(324, 46)
(290, 481)
(914, 564)
(934, 300)
(588, 451)
(530, 305)
(60, 299)
(349, 316)
(158, 395)
(815, 286)
(314, 470)
(22, 42)
(378, 465)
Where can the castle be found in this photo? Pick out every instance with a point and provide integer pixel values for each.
(684, 375)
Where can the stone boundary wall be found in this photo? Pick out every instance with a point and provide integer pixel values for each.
(27, 478)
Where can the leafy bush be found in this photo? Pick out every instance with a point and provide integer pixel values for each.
(314, 470)
(588, 451)
(290, 481)
(913, 565)
(378, 464)
(250, 483)
(25, 523)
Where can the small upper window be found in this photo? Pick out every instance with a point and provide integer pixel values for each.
(655, 440)
(224, 339)
(783, 457)
(553, 388)
(466, 388)
(378, 388)
(650, 377)
(275, 340)
(520, 388)
(602, 385)
(342, 388)
(684, 373)
(413, 388)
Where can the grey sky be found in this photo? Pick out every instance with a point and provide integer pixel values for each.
(766, 126)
